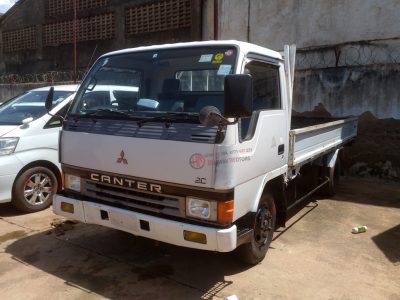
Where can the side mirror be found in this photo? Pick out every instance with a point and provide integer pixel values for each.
(238, 96)
(49, 99)
(25, 122)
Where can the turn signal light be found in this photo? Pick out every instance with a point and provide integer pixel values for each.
(196, 237)
(67, 207)
(225, 212)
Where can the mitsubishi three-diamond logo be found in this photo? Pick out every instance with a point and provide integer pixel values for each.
(122, 159)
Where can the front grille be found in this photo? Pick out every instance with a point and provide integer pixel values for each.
(185, 132)
(134, 199)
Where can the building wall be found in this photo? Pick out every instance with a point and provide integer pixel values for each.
(36, 36)
(350, 91)
(8, 91)
(347, 63)
(309, 23)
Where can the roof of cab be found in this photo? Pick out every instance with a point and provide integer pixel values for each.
(243, 46)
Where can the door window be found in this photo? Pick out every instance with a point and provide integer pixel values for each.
(266, 94)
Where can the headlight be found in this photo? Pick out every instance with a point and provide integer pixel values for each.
(72, 182)
(201, 209)
(7, 145)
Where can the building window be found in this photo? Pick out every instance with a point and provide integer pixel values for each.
(21, 39)
(159, 16)
(100, 27)
(61, 7)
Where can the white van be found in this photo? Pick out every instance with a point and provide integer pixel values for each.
(29, 168)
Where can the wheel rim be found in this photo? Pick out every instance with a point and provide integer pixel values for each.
(263, 226)
(38, 189)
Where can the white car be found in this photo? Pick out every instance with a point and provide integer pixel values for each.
(29, 168)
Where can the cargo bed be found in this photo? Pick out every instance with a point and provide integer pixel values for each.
(313, 137)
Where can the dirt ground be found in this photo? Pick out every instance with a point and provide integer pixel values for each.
(314, 257)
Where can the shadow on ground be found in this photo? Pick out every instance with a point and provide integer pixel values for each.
(389, 243)
(115, 264)
(8, 210)
(368, 191)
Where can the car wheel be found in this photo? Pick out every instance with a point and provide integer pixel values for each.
(34, 189)
(263, 231)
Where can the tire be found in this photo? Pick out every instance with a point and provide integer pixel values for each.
(333, 173)
(34, 189)
(263, 231)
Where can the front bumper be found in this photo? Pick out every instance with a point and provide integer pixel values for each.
(164, 230)
(6, 183)
(9, 168)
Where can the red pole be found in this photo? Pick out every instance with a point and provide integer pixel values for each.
(74, 30)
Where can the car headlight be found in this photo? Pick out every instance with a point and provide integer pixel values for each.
(201, 209)
(7, 145)
(72, 182)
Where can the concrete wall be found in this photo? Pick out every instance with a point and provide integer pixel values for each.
(348, 63)
(328, 34)
(350, 91)
(21, 16)
(370, 92)
(8, 91)
(308, 23)
(348, 50)
(61, 57)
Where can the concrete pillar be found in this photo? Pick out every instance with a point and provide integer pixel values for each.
(119, 19)
(196, 28)
(233, 19)
(208, 20)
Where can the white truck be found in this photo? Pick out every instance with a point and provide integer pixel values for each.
(200, 150)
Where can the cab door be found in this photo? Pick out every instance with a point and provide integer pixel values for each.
(266, 130)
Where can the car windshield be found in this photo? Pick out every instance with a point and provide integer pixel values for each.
(28, 105)
(151, 83)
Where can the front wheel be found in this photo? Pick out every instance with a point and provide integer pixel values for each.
(263, 231)
(34, 189)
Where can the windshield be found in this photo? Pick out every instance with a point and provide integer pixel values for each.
(150, 83)
(28, 105)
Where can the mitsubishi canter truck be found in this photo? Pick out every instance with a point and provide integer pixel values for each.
(197, 146)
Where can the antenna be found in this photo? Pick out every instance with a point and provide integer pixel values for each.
(90, 61)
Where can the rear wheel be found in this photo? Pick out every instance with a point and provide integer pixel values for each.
(34, 189)
(263, 231)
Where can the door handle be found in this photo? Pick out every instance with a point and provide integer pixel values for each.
(281, 149)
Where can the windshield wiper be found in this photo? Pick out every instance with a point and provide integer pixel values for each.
(169, 117)
(104, 112)
(107, 112)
